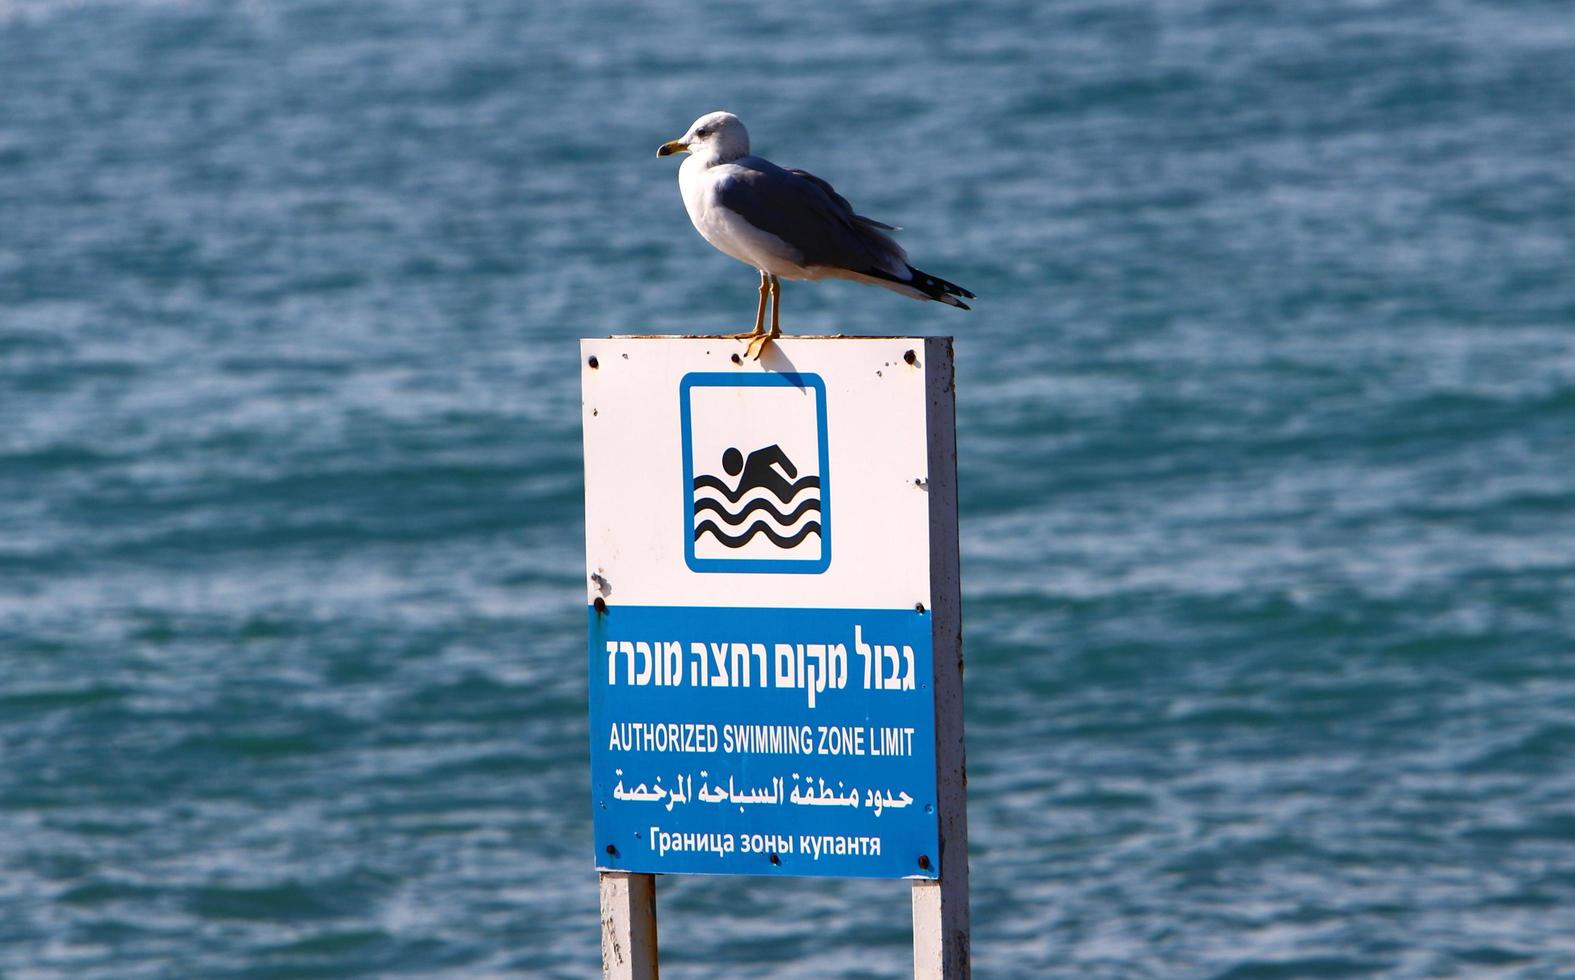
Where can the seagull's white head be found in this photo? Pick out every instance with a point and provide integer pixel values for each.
(716, 136)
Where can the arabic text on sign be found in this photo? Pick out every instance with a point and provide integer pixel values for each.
(806, 791)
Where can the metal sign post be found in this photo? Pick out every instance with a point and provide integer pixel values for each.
(774, 624)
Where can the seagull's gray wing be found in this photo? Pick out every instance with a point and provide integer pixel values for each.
(806, 213)
(839, 200)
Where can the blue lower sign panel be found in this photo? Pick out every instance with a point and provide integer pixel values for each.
(763, 741)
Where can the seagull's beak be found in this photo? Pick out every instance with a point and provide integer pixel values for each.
(670, 147)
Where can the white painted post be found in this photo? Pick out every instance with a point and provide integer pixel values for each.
(628, 926)
(940, 907)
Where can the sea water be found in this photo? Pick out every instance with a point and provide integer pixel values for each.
(1265, 418)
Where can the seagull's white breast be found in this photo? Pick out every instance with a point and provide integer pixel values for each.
(699, 181)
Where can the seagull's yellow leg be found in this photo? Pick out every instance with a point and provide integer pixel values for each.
(760, 313)
(776, 306)
(757, 344)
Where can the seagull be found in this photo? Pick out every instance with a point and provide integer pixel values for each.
(786, 223)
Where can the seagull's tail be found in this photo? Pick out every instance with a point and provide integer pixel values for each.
(939, 289)
(922, 285)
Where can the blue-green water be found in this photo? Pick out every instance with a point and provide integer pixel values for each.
(1265, 415)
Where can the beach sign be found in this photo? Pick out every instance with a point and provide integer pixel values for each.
(772, 606)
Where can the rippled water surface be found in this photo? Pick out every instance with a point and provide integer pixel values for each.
(1265, 415)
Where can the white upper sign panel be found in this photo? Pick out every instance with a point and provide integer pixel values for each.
(798, 481)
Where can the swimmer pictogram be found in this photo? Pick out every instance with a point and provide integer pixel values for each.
(756, 490)
(766, 498)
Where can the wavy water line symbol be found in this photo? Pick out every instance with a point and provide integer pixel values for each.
(769, 471)
(738, 517)
(733, 496)
(759, 527)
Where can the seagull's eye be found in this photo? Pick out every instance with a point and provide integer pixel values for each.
(702, 133)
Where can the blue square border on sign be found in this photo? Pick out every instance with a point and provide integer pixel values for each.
(718, 379)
